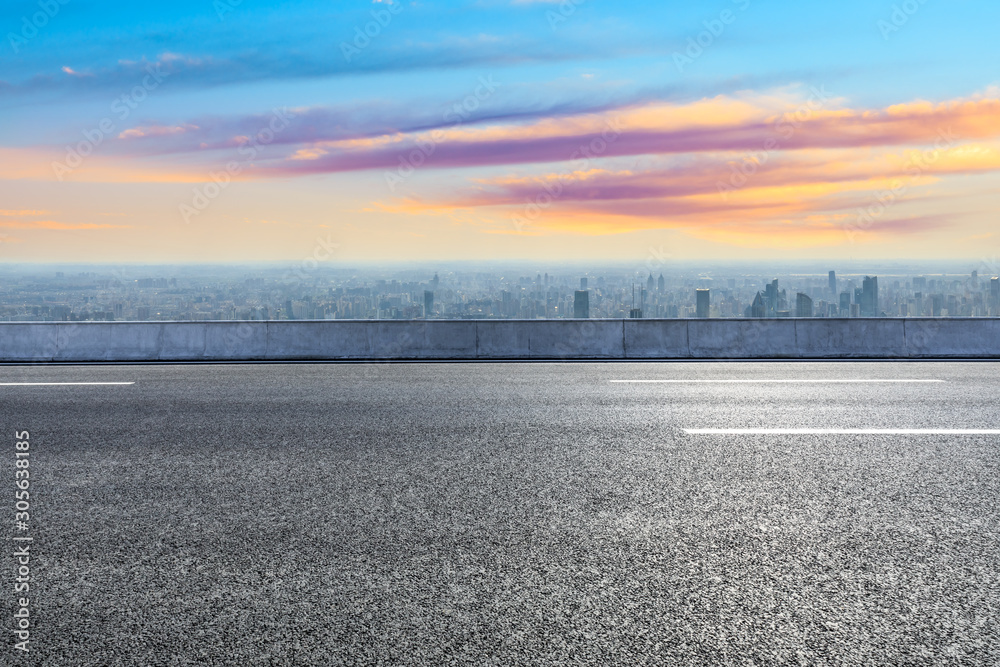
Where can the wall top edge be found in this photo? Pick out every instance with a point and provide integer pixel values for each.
(487, 321)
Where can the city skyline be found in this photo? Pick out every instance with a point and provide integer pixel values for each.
(392, 131)
(103, 293)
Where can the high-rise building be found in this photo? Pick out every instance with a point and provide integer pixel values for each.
(428, 304)
(650, 283)
(757, 308)
(869, 297)
(661, 284)
(995, 291)
(845, 304)
(771, 297)
(581, 304)
(937, 304)
(703, 299)
(833, 282)
(803, 305)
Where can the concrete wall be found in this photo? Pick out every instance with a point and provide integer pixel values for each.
(913, 338)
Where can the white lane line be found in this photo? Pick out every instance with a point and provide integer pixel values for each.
(57, 384)
(841, 431)
(859, 381)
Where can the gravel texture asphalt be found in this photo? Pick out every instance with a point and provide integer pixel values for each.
(505, 514)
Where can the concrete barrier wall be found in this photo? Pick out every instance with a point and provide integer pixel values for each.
(914, 338)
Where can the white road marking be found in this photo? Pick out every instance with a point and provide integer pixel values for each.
(841, 431)
(774, 381)
(57, 384)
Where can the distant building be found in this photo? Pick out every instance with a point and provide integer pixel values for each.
(757, 308)
(661, 284)
(995, 295)
(581, 304)
(833, 282)
(635, 314)
(774, 299)
(937, 304)
(869, 297)
(803, 305)
(703, 299)
(428, 304)
(650, 283)
(845, 304)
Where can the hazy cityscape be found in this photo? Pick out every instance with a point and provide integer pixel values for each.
(277, 292)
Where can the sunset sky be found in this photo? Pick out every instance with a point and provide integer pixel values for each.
(391, 130)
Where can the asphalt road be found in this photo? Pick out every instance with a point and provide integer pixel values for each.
(506, 514)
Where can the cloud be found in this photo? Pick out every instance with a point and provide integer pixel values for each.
(187, 71)
(719, 125)
(156, 131)
(62, 226)
(809, 187)
(383, 123)
(745, 164)
(21, 214)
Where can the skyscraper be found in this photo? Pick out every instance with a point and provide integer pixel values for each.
(845, 304)
(995, 295)
(803, 305)
(771, 297)
(869, 297)
(661, 284)
(833, 282)
(428, 304)
(703, 299)
(650, 284)
(937, 304)
(757, 308)
(581, 304)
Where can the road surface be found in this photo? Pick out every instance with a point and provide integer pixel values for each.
(507, 513)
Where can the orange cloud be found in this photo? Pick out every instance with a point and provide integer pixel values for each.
(775, 123)
(21, 214)
(810, 199)
(63, 226)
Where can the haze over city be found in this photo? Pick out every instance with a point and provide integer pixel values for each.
(474, 290)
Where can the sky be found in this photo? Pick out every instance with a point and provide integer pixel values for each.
(572, 130)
